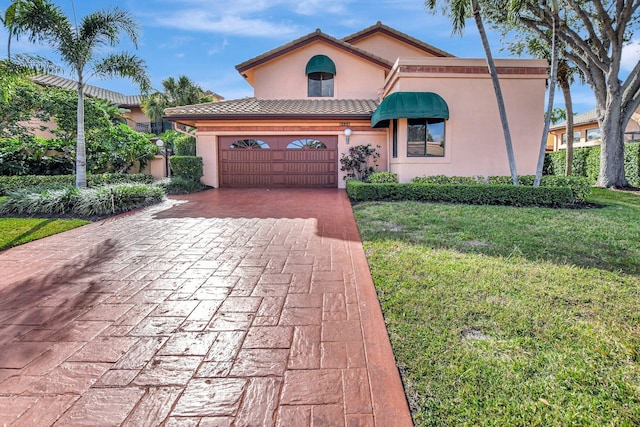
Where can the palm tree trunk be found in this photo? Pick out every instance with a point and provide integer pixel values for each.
(81, 154)
(552, 92)
(496, 86)
(566, 91)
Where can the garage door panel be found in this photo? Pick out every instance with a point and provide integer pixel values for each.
(277, 166)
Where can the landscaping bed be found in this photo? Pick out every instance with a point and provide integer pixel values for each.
(511, 316)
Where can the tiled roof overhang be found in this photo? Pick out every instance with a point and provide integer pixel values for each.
(268, 109)
(89, 90)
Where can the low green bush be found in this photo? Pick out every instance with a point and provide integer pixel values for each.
(111, 199)
(101, 200)
(12, 183)
(382, 177)
(187, 167)
(462, 193)
(177, 185)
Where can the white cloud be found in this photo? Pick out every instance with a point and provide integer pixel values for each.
(194, 20)
(180, 55)
(630, 55)
(313, 7)
(174, 42)
(218, 49)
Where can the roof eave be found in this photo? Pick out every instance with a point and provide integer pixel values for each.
(310, 116)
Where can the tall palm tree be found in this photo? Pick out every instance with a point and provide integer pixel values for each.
(459, 11)
(78, 48)
(566, 76)
(552, 91)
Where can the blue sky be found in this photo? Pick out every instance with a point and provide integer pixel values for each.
(205, 39)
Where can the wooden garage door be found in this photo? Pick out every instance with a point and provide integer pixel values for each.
(278, 161)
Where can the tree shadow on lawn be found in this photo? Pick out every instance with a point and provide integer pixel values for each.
(17, 240)
(610, 251)
(41, 307)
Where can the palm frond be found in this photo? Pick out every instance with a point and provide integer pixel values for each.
(104, 27)
(124, 65)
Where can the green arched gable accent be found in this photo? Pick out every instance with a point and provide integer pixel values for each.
(320, 64)
(409, 105)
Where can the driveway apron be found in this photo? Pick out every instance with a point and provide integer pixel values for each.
(222, 308)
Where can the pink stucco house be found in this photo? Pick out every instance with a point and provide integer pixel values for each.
(429, 112)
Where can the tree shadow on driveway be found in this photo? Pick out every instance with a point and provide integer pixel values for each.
(329, 207)
(39, 307)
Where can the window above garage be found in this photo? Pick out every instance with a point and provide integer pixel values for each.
(320, 73)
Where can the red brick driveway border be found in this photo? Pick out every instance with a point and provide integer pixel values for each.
(222, 308)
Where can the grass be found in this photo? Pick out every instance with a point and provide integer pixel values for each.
(17, 231)
(511, 316)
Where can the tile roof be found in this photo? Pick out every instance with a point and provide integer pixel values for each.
(380, 27)
(89, 90)
(309, 38)
(579, 119)
(255, 108)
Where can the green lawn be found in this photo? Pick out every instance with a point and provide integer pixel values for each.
(512, 316)
(16, 231)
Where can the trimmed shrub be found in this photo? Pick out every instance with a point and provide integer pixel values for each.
(177, 185)
(12, 183)
(443, 179)
(183, 145)
(187, 167)
(462, 193)
(632, 163)
(382, 177)
(586, 163)
(580, 186)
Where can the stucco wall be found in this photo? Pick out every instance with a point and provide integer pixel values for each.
(285, 77)
(136, 115)
(388, 47)
(474, 138)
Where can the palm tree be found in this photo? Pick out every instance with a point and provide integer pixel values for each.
(458, 11)
(78, 48)
(552, 91)
(182, 91)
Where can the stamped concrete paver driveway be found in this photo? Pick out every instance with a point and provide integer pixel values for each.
(224, 308)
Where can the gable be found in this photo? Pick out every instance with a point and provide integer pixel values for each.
(392, 44)
(247, 68)
(286, 77)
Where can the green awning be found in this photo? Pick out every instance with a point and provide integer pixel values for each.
(321, 64)
(409, 105)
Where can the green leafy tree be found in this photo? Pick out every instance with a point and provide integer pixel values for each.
(79, 48)
(458, 11)
(593, 35)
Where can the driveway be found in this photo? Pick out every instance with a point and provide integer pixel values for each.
(227, 307)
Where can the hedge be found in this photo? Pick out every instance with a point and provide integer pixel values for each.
(475, 194)
(586, 163)
(580, 187)
(187, 167)
(19, 182)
